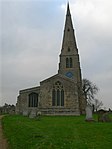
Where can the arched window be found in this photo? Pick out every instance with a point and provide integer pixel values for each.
(62, 97)
(67, 62)
(71, 62)
(58, 97)
(33, 100)
(58, 94)
(53, 97)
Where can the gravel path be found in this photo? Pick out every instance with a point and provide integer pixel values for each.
(3, 142)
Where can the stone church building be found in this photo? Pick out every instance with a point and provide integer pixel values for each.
(60, 94)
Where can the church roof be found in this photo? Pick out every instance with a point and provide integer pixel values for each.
(62, 77)
(29, 89)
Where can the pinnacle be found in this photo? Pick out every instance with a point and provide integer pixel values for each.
(68, 9)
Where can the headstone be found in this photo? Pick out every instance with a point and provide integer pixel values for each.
(25, 113)
(39, 115)
(100, 114)
(104, 117)
(33, 114)
(89, 115)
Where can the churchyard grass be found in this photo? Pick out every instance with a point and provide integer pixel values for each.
(54, 132)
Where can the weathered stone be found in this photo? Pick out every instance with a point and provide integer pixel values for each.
(104, 117)
(25, 113)
(89, 115)
(32, 114)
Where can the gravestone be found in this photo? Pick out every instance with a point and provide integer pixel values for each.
(33, 114)
(89, 114)
(39, 115)
(104, 117)
(25, 113)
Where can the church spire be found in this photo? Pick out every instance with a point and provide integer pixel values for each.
(68, 36)
(68, 9)
(69, 64)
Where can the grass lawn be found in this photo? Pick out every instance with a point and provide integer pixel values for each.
(56, 133)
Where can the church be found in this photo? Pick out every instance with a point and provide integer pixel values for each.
(60, 94)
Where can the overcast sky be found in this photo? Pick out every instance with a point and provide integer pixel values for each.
(31, 35)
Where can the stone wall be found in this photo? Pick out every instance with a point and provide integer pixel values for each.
(22, 100)
(71, 98)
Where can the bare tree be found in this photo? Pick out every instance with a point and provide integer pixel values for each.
(97, 104)
(89, 91)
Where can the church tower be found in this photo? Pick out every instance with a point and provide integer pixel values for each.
(69, 65)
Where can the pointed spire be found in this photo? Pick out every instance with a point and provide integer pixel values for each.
(68, 36)
(68, 9)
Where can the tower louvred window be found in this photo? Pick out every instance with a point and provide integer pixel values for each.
(69, 63)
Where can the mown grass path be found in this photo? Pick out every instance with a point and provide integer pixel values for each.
(3, 142)
(56, 132)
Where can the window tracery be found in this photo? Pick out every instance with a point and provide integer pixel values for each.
(58, 94)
